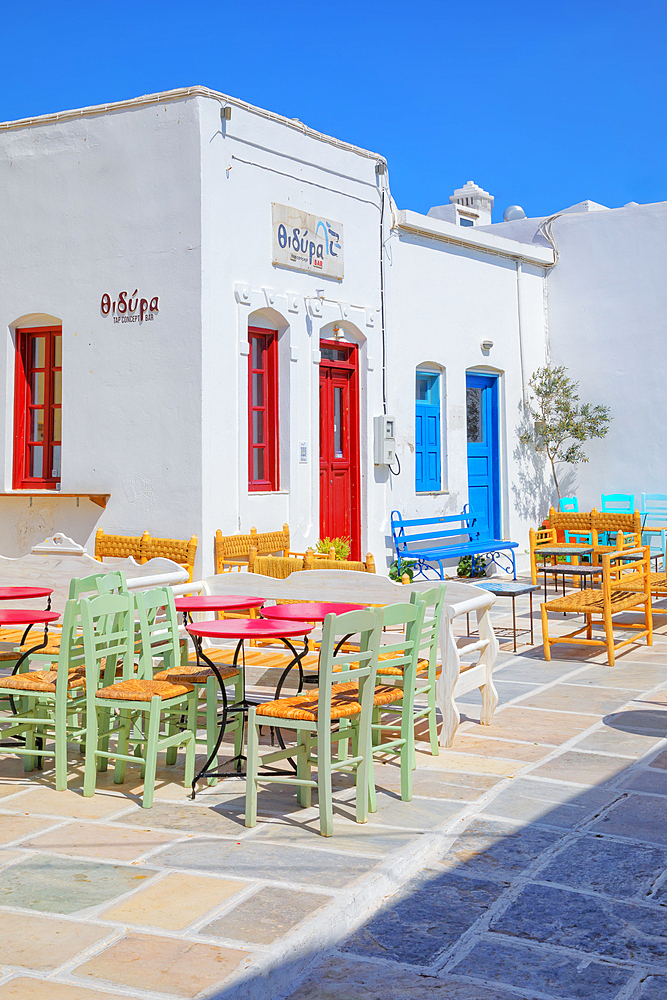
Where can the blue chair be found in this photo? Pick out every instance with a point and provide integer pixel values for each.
(654, 515)
(618, 503)
(615, 503)
(568, 505)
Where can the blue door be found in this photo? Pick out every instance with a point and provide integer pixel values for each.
(483, 471)
(427, 432)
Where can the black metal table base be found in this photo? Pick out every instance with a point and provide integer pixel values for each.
(20, 740)
(240, 706)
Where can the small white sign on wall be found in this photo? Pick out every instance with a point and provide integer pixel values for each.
(307, 242)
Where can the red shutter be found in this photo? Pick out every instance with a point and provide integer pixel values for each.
(263, 410)
(37, 408)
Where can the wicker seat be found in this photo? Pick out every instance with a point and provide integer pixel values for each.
(387, 669)
(344, 703)
(195, 674)
(657, 584)
(625, 586)
(41, 680)
(137, 689)
(384, 694)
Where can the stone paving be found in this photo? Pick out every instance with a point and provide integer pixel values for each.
(532, 862)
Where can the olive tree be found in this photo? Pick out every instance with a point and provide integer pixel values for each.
(560, 423)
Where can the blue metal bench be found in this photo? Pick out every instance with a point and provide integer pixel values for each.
(408, 542)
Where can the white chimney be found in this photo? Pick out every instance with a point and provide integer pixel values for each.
(475, 198)
(470, 205)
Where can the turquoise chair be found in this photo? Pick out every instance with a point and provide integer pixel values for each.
(618, 503)
(615, 503)
(654, 515)
(568, 505)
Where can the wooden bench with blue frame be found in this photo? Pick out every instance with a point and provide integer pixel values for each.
(407, 542)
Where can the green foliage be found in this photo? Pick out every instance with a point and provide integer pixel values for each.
(561, 424)
(407, 569)
(472, 566)
(340, 545)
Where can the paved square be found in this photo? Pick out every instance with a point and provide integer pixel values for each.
(531, 863)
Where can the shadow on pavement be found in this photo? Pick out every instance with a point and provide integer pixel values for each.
(549, 891)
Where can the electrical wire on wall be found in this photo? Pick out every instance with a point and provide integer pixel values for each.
(399, 467)
(382, 317)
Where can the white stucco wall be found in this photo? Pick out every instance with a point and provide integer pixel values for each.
(247, 164)
(443, 300)
(106, 203)
(607, 323)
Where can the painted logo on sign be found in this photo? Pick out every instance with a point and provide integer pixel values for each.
(307, 242)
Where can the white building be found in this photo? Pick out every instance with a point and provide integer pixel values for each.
(214, 376)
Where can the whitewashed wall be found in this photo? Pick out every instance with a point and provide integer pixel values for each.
(167, 199)
(443, 301)
(106, 203)
(248, 163)
(607, 316)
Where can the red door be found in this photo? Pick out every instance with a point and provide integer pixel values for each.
(339, 444)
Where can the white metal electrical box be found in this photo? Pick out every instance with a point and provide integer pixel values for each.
(384, 441)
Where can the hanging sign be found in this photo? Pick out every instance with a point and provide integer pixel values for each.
(307, 242)
(129, 308)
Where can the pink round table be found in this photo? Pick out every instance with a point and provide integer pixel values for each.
(216, 602)
(309, 611)
(25, 593)
(241, 629)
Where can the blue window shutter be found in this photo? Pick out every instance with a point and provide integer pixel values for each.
(427, 433)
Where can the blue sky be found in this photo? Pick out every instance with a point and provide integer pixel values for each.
(541, 104)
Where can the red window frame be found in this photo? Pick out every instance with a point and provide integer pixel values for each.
(263, 410)
(28, 404)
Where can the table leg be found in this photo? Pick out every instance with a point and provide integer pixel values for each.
(17, 666)
(514, 621)
(531, 618)
(204, 773)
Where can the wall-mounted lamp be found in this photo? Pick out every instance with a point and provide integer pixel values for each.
(226, 114)
(380, 168)
(487, 345)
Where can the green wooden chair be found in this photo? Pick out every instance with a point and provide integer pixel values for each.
(314, 718)
(427, 670)
(146, 713)
(394, 736)
(52, 702)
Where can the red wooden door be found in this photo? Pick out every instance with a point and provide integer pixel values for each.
(339, 444)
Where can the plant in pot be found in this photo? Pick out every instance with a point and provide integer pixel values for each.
(472, 566)
(407, 569)
(340, 547)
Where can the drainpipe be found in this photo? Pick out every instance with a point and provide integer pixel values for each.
(518, 314)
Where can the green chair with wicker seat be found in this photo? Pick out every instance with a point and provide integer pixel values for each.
(427, 664)
(397, 700)
(314, 717)
(145, 713)
(51, 702)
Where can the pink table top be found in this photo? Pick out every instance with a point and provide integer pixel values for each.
(254, 628)
(310, 611)
(215, 602)
(23, 593)
(29, 616)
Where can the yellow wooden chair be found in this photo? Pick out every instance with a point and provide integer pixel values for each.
(625, 586)
(177, 549)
